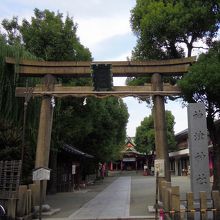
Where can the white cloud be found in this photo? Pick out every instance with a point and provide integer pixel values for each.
(76, 8)
(122, 57)
(98, 20)
(96, 30)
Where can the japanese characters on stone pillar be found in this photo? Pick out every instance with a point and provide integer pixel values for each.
(198, 148)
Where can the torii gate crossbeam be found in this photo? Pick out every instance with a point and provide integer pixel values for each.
(30, 68)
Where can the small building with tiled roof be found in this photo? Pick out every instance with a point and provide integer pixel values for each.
(131, 159)
(70, 169)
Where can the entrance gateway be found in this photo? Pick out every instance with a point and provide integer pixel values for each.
(49, 71)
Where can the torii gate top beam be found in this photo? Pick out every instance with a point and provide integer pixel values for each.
(30, 68)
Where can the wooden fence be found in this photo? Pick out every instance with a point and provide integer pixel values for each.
(173, 207)
(21, 206)
(18, 200)
(9, 185)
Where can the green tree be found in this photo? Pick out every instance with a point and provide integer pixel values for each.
(11, 108)
(81, 126)
(97, 128)
(10, 140)
(12, 31)
(50, 37)
(202, 84)
(109, 119)
(145, 134)
(163, 26)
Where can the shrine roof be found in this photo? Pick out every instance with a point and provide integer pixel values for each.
(74, 150)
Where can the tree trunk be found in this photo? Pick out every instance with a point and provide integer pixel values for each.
(216, 157)
(216, 168)
(215, 138)
(189, 50)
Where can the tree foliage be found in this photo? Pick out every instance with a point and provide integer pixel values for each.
(11, 28)
(99, 126)
(109, 119)
(10, 140)
(202, 84)
(11, 108)
(162, 27)
(145, 134)
(49, 37)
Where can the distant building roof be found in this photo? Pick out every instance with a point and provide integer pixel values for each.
(73, 150)
(130, 150)
(129, 147)
(183, 132)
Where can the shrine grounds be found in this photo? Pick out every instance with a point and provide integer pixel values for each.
(126, 195)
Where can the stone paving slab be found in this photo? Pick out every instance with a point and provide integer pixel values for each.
(114, 201)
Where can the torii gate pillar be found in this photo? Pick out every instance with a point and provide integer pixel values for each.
(160, 125)
(45, 129)
(44, 133)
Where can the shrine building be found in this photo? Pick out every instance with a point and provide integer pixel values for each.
(131, 159)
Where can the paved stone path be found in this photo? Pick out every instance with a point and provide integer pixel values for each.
(123, 197)
(114, 201)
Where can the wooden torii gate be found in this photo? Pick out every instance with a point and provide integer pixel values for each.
(49, 71)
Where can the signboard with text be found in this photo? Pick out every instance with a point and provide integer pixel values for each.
(41, 173)
(73, 169)
(198, 149)
(129, 159)
(159, 167)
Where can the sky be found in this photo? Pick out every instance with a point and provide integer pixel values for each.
(104, 28)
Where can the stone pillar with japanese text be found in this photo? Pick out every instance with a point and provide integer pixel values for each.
(198, 149)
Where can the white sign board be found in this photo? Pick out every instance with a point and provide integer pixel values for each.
(73, 169)
(41, 174)
(129, 159)
(159, 167)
